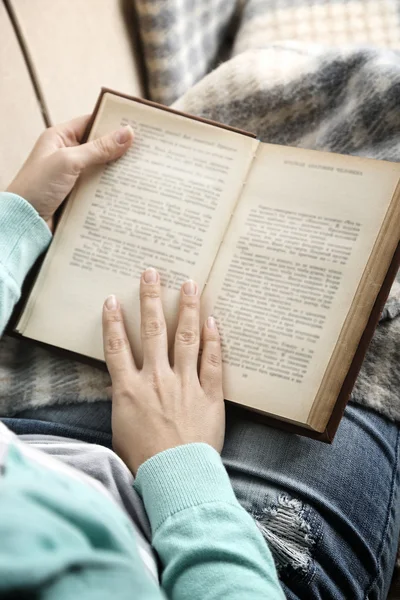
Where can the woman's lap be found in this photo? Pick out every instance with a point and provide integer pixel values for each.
(330, 513)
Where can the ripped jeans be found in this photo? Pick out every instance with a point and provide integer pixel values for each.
(330, 514)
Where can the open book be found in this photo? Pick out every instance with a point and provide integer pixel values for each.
(294, 252)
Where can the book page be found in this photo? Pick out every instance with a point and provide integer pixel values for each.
(165, 204)
(289, 268)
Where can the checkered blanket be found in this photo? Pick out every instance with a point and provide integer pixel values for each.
(183, 40)
(260, 65)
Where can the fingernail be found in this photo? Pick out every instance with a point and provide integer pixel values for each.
(150, 275)
(111, 302)
(123, 135)
(190, 288)
(211, 323)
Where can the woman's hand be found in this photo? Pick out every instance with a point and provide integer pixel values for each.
(57, 160)
(159, 406)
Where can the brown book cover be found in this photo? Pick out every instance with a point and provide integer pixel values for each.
(247, 413)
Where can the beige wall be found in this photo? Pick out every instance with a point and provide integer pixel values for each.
(76, 47)
(21, 120)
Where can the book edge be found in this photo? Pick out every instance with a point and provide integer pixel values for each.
(106, 90)
(365, 339)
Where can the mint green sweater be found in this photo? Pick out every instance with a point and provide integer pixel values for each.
(66, 539)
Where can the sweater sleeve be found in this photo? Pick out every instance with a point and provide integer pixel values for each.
(23, 237)
(208, 544)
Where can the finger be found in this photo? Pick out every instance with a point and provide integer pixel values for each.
(211, 361)
(62, 136)
(187, 338)
(102, 149)
(117, 350)
(153, 327)
(72, 131)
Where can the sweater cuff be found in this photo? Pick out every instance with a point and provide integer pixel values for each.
(181, 478)
(25, 235)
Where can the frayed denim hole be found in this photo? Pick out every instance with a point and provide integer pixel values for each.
(292, 531)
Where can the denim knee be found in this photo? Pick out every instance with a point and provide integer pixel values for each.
(292, 531)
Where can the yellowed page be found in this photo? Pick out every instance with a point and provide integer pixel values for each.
(288, 270)
(165, 204)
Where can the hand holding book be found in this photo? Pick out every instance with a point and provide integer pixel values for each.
(58, 159)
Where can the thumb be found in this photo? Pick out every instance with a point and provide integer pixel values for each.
(103, 149)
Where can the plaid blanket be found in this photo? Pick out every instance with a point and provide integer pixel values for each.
(259, 65)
